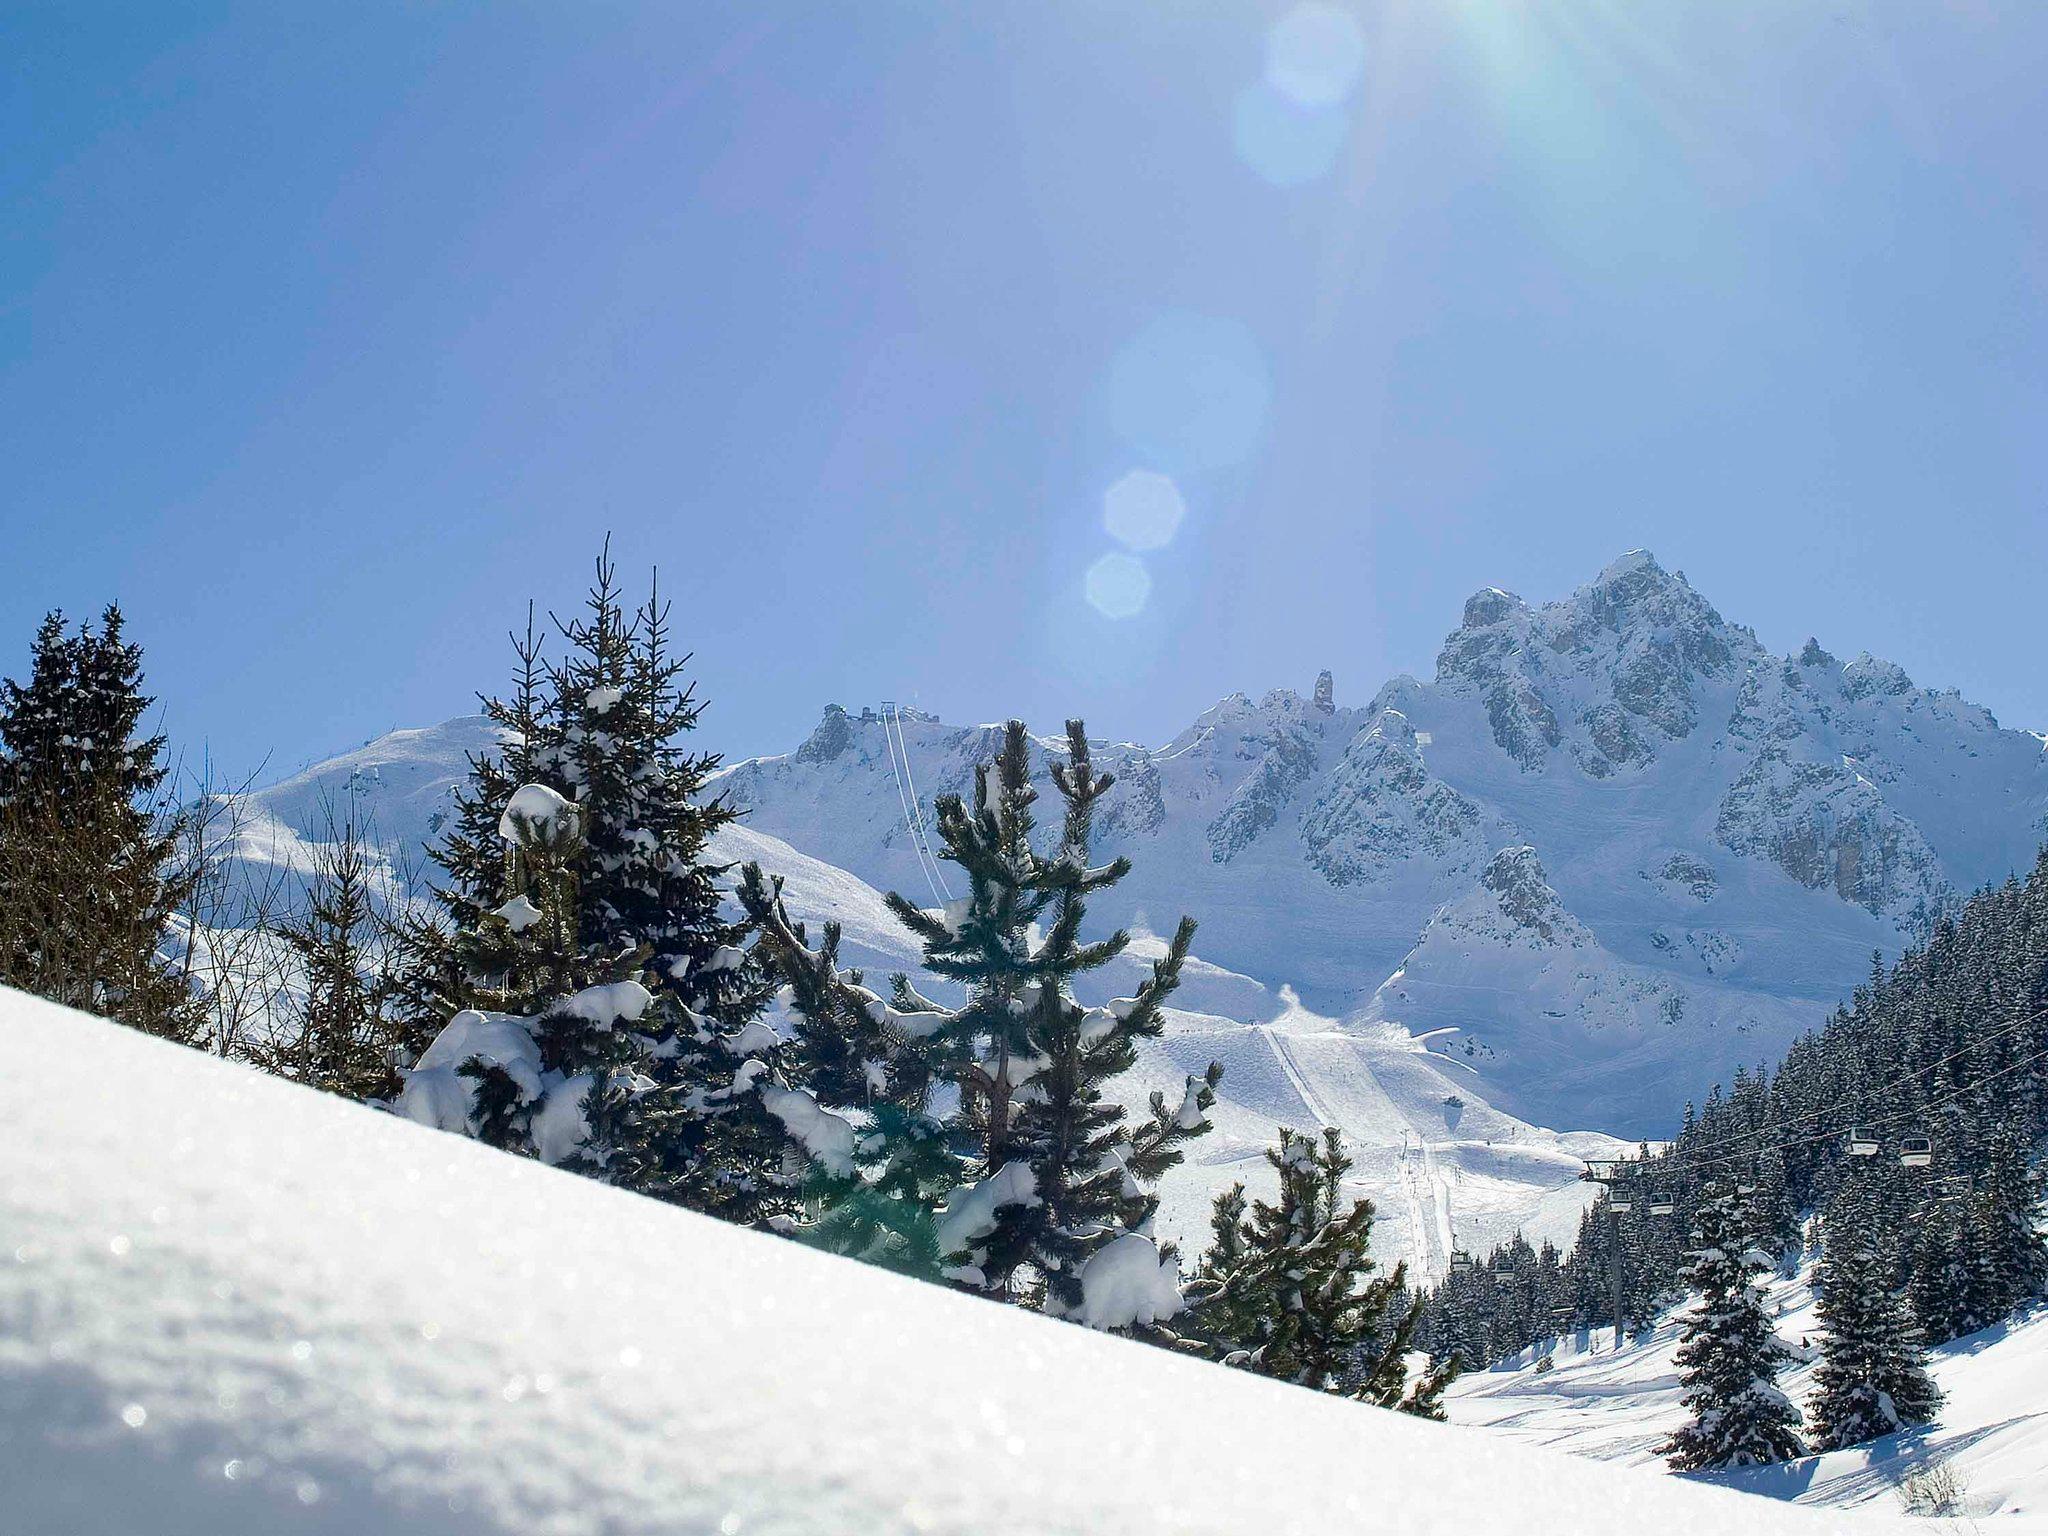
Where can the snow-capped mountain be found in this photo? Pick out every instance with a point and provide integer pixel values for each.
(1612, 850)
(1444, 1167)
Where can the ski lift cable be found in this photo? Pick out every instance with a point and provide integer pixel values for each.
(1898, 1082)
(916, 846)
(1695, 1166)
(1912, 1113)
(913, 817)
(917, 810)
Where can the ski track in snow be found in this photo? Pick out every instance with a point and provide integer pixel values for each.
(1426, 1265)
(1285, 1054)
(1440, 1199)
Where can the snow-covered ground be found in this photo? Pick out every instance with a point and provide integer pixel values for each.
(1993, 1431)
(229, 1305)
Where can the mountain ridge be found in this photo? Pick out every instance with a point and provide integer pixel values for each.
(1739, 830)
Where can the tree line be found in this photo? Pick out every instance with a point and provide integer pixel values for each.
(1899, 1137)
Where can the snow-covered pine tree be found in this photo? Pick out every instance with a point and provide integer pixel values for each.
(1033, 1065)
(1051, 1202)
(1777, 1219)
(1729, 1354)
(534, 1027)
(599, 928)
(90, 873)
(337, 1033)
(1871, 1380)
(2010, 1259)
(1946, 1290)
(679, 1127)
(1287, 1289)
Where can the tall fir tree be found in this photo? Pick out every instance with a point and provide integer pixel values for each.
(1032, 1063)
(2011, 1260)
(1055, 1184)
(1946, 1291)
(1871, 1379)
(1729, 1355)
(91, 875)
(581, 897)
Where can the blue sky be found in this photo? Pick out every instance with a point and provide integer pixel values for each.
(330, 333)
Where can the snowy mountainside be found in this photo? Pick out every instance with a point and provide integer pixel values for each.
(1733, 831)
(399, 787)
(1440, 1173)
(1993, 1428)
(1443, 1167)
(360, 1340)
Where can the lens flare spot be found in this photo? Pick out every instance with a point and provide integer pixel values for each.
(1315, 55)
(1189, 393)
(1118, 586)
(1286, 143)
(1143, 510)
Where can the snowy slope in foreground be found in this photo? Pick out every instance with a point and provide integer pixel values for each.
(229, 1305)
(1993, 1430)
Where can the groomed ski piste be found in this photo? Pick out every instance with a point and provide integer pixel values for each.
(1992, 1436)
(231, 1306)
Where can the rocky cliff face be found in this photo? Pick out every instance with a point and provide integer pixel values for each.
(1381, 806)
(1725, 833)
(1604, 678)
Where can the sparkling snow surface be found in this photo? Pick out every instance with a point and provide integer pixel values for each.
(1993, 1430)
(229, 1306)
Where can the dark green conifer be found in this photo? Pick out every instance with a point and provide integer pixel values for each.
(1871, 1380)
(1729, 1355)
(91, 874)
(1287, 1288)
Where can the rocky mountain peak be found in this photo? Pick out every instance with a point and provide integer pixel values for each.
(1604, 674)
(1867, 675)
(832, 736)
(1524, 897)
(1490, 605)
(1812, 655)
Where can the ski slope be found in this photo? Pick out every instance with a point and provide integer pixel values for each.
(231, 1306)
(1993, 1431)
